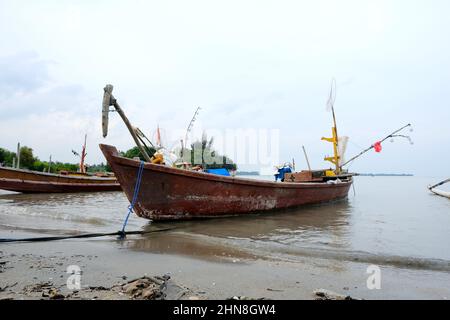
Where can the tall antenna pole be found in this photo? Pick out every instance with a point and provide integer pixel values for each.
(191, 125)
(306, 157)
(335, 138)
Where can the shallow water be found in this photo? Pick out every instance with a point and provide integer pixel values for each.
(386, 220)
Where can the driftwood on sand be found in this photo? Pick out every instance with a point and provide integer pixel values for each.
(324, 294)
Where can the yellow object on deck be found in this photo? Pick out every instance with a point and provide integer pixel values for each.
(158, 158)
(330, 173)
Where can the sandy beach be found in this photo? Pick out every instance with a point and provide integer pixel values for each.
(34, 270)
(282, 255)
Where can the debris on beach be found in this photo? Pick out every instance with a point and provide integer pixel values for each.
(37, 288)
(143, 288)
(53, 294)
(2, 266)
(2, 289)
(146, 288)
(324, 294)
(45, 289)
(245, 298)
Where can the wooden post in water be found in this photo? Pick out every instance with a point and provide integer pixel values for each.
(18, 155)
(83, 156)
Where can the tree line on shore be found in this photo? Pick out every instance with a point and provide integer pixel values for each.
(200, 153)
(31, 162)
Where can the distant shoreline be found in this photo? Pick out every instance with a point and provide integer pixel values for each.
(247, 173)
(385, 174)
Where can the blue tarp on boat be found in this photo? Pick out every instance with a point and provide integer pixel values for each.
(220, 172)
(282, 172)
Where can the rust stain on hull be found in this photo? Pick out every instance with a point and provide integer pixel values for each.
(174, 194)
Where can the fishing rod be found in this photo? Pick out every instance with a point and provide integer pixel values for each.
(191, 125)
(392, 135)
(439, 184)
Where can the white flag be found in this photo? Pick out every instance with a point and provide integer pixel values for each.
(332, 96)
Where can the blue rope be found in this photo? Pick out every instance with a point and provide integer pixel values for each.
(135, 195)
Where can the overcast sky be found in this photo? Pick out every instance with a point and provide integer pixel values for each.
(248, 64)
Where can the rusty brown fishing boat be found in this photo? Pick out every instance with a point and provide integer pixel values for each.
(27, 181)
(168, 193)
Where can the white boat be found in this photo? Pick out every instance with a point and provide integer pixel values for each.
(440, 192)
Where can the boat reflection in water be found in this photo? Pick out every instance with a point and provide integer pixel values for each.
(255, 236)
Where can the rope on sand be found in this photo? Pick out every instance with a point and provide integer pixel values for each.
(81, 236)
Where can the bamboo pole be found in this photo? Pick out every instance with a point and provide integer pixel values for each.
(306, 157)
(439, 184)
(372, 146)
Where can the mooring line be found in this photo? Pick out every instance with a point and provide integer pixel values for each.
(81, 236)
(121, 234)
(133, 201)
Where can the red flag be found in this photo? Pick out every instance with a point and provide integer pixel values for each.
(377, 146)
(158, 137)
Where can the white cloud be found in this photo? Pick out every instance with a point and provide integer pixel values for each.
(248, 64)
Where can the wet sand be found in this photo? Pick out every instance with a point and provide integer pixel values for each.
(282, 255)
(213, 271)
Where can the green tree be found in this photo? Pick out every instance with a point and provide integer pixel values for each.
(29, 161)
(203, 153)
(39, 165)
(59, 166)
(134, 152)
(26, 157)
(99, 168)
(6, 157)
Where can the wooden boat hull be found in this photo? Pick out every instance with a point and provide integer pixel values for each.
(27, 181)
(175, 194)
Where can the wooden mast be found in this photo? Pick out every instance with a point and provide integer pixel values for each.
(335, 138)
(109, 100)
(83, 156)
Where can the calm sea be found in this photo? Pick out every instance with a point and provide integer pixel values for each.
(385, 219)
